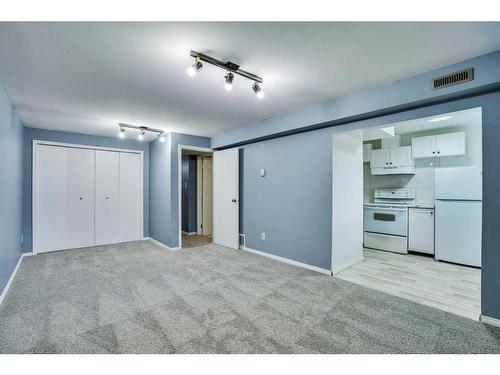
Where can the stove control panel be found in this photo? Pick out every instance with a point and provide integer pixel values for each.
(395, 193)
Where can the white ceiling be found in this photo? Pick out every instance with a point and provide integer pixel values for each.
(466, 118)
(87, 77)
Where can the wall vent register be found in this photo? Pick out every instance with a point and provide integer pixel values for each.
(453, 79)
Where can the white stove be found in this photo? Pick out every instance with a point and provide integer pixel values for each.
(386, 220)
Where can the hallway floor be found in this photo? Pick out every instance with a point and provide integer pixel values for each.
(450, 287)
(195, 240)
(138, 297)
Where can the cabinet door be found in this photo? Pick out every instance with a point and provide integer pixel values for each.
(450, 144)
(130, 197)
(421, 230)
(401, 156)
(50, 187)
(423, 147)
(107, 190)
(80, 205)
(379, 158)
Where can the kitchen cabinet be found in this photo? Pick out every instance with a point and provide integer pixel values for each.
(395, 157)
(397, 160)
(421, 230)
(367, 152)
(448, 144)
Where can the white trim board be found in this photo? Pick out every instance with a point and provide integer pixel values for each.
(156, 242)
(189, 233)
(179, 184)
(11, 278)
(491, 321)
(288, 261)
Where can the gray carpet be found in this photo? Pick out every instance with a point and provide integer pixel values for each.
(140, 298)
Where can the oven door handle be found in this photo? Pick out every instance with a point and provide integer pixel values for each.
(386, 209)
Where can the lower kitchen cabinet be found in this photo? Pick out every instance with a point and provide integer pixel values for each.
(421, 230)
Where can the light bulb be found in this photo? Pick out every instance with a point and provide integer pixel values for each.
(140, 136)
(121, 134)
(257, 90)
(229, 81)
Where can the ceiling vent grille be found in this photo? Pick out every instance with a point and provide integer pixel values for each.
(453, 79)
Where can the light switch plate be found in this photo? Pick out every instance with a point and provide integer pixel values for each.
(262, 173)
(263, 236)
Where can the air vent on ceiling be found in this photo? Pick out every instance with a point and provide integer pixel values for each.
(453, 79)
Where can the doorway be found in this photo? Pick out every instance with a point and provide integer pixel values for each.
(420, 183)
(196, 193)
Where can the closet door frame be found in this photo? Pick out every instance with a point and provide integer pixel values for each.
(34, 179)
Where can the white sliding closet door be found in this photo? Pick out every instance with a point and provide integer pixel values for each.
(130, 196)
(107, 204)
(50, 187)
(80, 216)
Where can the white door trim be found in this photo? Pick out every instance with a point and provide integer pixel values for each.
(38, 142)
(179, 183)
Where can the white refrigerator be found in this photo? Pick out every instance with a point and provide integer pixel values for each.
(458, 215)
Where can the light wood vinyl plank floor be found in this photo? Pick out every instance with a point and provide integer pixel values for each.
(449, 287)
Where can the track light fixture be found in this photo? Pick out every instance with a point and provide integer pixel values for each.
(257, 90)
(229, 81)
(121, 134)
(142, 131)
(231, 69)
(193, 69)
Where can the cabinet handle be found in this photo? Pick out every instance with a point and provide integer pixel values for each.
(433, 152)
(439, 152)
(81, 198)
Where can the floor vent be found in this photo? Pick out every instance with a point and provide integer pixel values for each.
(242, 240)
(453, 79)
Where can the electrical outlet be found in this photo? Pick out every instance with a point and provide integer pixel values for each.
(263, 236)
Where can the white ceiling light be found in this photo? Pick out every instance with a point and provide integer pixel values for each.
(257, 90)
(442, 118)
(142, 131)
(229, 81)
(193, 69)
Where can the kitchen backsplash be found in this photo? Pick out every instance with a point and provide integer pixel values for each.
(422, 181)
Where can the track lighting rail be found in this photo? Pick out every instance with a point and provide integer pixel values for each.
(229, 66)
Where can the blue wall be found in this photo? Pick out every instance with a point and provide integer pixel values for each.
(160, 190)
(189, 193)
(11, 180)
(56, 136)
(164, 185)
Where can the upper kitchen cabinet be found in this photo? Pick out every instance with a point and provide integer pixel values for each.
(449, 144)
(397, 160)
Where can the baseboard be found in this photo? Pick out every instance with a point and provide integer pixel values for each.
(289, 261)
(340, 268)
(491, 321)
(163, 245)
(146, 238)
(11, 278)
(189, 233)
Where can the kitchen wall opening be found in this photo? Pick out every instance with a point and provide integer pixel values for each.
(421, 209)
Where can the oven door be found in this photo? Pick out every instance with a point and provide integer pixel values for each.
(386, 220)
